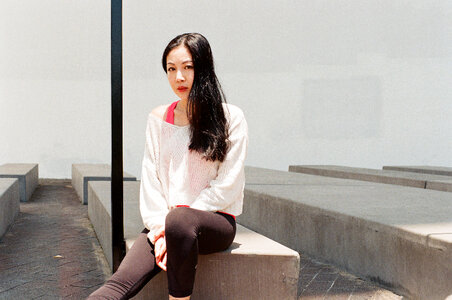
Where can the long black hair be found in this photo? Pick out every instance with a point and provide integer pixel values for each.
(208, 124)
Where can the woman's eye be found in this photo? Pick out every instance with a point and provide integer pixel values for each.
(188, 67)
(170, 69)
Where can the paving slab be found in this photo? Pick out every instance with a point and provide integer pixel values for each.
(84, 173)
(397, 236)
(9, 203)
(321, 281)
(27, 174)
(51, 250)
(253, 267)
(428, 181)
(436, 170)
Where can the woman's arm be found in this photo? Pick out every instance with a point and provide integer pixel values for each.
(228, 186)
(153, 205)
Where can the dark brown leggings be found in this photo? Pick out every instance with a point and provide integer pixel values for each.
(188, 232)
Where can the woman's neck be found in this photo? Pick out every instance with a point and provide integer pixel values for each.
(182, 106)
(180, 113)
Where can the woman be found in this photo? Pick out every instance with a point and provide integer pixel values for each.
(192, 176)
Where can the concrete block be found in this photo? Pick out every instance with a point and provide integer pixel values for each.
(9, 203)
(441, 183)
(261, 176)
(436, 170)
(398, 236)
(83, 173)
(99, 212)
(27, 174)
(254, 267)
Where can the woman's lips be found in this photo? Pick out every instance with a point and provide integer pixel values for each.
(182, 89)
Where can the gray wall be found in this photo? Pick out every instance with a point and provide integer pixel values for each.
(359, 83)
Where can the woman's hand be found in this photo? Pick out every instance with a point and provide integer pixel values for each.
(158, 234)
(160, 249)
(160, 253)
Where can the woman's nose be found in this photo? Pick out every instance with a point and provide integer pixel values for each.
(179, 76)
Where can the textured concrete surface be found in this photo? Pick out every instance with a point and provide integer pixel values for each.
(51, 251)
(397, 236)
(259, 176)
(84, 173)
(254, 267)
(428, 181)
(99, 208)
(28, 175)
(443, 185)
(446, 171)
(321, 281)
(224, 275)
(9, 203)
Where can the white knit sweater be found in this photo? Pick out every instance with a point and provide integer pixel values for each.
(172, 175)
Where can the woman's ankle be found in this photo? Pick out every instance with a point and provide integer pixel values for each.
(179, 298)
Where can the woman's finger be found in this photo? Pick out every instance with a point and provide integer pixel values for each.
(160, 233)
(164, 260)
(160, 253)
(162, 263)
(163, 244)
(158, 249)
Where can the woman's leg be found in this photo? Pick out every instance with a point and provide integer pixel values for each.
(189, 232)
(136, 269)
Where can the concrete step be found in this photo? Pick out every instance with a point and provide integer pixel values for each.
(398, 236)
(428, 181)
(9, 203)
(254, 267)
(445, 171)
(84, 173)
(28, 175)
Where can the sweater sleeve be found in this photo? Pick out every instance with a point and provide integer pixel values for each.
(228, 186)
(153, 205)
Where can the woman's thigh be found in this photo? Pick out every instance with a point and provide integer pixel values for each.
(213, 231)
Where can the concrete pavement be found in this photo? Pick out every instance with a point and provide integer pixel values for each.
(51, 251)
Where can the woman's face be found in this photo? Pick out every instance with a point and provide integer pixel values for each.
(180, 71)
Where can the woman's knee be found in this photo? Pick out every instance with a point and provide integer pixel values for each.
(181, 223)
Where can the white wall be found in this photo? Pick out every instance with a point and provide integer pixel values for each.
(359, 83)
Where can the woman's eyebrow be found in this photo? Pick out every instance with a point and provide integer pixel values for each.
(184, 62)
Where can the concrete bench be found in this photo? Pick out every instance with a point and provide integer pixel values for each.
(99, 212)
(84, 173)
(398, 236)
(445, 171)
(9, 203)
(254, 267)
(428, 181)
(28, 175)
